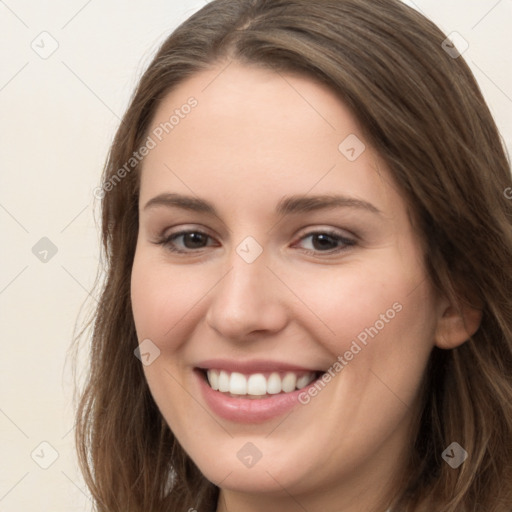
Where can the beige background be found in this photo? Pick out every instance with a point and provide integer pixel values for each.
(59, 114)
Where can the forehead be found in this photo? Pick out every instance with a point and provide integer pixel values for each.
(254, 135)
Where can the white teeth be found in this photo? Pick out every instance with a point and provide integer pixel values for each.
(274, 384)
(303, 381)
(238, 384)
(256, 384)
(223, 381)
(289, 381)
(213, 379)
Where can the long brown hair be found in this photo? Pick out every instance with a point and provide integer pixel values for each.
(422, 110)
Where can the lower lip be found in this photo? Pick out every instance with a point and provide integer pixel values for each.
(247, 410)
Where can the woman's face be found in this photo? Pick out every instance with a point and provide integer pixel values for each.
(299, 260)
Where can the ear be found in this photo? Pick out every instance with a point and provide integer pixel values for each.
(456, 324)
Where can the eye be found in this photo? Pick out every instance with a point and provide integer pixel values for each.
(184, 241)
(188, 241)
(327, 241)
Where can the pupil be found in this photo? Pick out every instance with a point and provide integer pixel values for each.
(325, 241)
(195, 240)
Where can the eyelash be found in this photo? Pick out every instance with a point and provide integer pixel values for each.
(168, 241)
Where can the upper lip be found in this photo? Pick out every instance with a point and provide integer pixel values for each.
(253, 366)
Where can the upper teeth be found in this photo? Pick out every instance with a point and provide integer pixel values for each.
(256, 383)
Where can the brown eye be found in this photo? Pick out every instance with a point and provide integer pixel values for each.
(327, 242)
(185, 241)
(193, 240)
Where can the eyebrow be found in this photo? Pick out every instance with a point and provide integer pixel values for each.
(287, 205)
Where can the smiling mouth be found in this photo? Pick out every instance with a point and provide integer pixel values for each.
(258, 385)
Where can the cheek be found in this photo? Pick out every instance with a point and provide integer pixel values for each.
(162, 296)
(364, 301)
(163, 307)
(148, 296)
(380, 320)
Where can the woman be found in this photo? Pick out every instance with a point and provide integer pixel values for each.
(308, 245)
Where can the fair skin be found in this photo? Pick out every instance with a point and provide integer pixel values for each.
(255, 137)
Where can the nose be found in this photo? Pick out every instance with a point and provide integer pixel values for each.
(249, 299)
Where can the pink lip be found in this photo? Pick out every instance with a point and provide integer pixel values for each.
(246, 410)
(254, 366)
